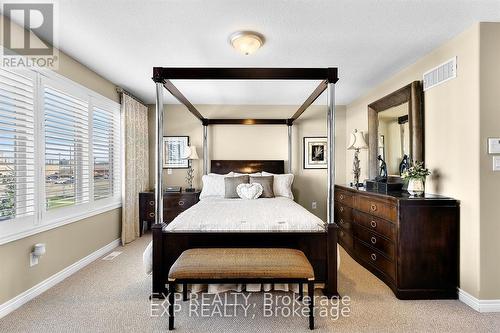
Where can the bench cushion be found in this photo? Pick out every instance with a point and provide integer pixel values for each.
(238, 263)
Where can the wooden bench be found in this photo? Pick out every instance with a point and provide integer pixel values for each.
(241, 265)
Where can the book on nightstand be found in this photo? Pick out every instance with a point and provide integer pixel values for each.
(173, 189)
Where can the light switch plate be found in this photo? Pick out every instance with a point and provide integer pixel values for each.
(496, 163)
(493, 145)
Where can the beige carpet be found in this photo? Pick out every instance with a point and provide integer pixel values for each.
(112, 296)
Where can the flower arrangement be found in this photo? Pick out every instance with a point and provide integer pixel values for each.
(416, 171)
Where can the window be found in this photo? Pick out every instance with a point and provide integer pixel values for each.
(17, 169)
(106, 152)
(59, 153)
(66, 127)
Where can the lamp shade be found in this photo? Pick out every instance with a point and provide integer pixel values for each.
(357, 141)
(191, 153)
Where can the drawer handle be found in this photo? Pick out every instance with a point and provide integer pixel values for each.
(373, 240)
(341, 209)
(341, 221)
(373, 256)
(373, 207)
(151, 214)
(181, 203)
(151, 203)
(341, 197)
(373, 224)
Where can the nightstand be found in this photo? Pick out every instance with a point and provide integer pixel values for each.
(173, 204)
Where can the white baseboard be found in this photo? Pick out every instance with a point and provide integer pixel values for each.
(43, 286)
(491, 305)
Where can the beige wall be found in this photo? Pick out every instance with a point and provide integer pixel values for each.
(67, 244)
(255, 142)
(459, 117)
(490, 181)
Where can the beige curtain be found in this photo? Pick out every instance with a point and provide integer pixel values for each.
(136, 166)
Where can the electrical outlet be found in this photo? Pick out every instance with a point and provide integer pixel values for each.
(496, 163)
(314, 205)
(169, 171)
(33, 260)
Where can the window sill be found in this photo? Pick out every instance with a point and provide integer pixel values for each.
(57, 223)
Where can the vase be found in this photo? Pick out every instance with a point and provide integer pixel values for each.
(416, 187)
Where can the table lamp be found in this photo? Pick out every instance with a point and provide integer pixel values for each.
(190, 154)
(356, 143)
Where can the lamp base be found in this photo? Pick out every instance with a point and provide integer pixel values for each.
(358, 185)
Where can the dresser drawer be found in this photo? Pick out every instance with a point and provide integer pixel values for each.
(344, 197)
(376, 207)
(344, 224)
(342, 212)
(382, 227)
(375, 259)
(345, 239)
(376, 241)
(181, 202)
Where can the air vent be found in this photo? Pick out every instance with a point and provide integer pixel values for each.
(440, 74)
(112, 255)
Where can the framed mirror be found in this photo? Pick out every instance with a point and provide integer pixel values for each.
(396, 130)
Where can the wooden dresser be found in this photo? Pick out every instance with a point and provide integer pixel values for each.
(173, 204)
(412, 244)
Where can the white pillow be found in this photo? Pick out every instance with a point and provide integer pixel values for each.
(213, 185)
(282, 184)
(249, 191)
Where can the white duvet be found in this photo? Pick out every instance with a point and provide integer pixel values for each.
(259, 215)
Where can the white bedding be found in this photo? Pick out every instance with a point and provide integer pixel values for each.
(261, 215)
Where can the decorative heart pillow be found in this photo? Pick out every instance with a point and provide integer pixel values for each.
(249, 191)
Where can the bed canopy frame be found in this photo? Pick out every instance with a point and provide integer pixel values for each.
(162, 76)
(319, 247)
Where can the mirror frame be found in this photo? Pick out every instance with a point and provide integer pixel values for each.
(411, 94)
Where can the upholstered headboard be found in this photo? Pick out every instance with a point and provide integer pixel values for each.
(247, 166)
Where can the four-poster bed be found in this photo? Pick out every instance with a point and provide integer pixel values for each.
(320, 247)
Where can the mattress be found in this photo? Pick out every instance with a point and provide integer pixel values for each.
(215, 214)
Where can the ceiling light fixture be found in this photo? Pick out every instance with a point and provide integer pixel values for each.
(246, 42)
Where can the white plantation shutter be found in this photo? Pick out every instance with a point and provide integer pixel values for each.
(106, 152)
(17, 167)
(60, 153)
(66, 130)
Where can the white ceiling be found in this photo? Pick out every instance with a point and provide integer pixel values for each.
(367, 40)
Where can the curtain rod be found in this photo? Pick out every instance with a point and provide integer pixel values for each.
(123, 91)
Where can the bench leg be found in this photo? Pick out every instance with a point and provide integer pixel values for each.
(171, 300)
(301, 291)
(184, 292)
(310, 291)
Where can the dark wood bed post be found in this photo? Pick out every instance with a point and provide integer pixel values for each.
(158, 273)
(331, 264)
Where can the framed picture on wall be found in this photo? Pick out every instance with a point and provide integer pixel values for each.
(174, 149)
(315, 152)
